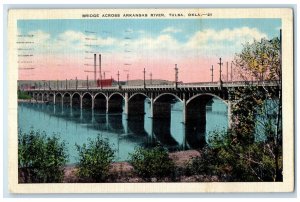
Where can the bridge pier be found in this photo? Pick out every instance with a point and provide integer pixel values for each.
(184, 111)
(151, 107)
(126, 104)
(107, 104)
(93, 103)
(195, 123)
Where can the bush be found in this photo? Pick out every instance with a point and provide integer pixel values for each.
(41, 159)
(23, 95)
(94, 160)
(153, 162)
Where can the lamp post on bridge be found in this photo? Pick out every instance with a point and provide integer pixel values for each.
(144, 77)
(87, 82)
(150, 78)
(176, 76)
(118, 79)
(212, 73)
(76, 83)
(220, 78)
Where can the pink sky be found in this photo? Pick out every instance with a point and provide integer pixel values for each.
(190, 69)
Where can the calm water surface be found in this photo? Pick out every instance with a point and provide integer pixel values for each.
(75, 126)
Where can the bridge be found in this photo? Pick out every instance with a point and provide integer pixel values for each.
(130, 100)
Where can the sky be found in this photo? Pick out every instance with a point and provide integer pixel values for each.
(64, 49)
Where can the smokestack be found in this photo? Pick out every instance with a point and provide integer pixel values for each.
(95, 67)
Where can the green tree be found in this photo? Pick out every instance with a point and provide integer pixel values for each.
(256, 112)
(23, 95)
(41, 159)
(153, 162)
(252, 149)
(94, 160)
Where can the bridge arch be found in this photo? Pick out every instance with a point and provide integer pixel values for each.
(58, 98)
(136, 105)
(137, 94)
(87, 100)
(100, 101)
(205, 94)
(115, 93)
(76, 99)
(162, 118)
(166, 94)
(45, 97)
(99, 94)
(67, 99)
(51, 97)
(196, 121)
(59, 94)
(115, 103)
(84, 94)
(40, 96)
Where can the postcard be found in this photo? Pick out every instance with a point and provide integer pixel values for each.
(151, 100)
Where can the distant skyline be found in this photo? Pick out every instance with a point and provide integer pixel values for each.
(63, 49)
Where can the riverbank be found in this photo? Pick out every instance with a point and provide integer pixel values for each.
(123, 172)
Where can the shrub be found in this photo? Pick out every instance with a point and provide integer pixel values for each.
(206, 164)
(153, 162)
(94, 160)
(23, 95)
(41, 159)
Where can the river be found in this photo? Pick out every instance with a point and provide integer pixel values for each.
(76, 126)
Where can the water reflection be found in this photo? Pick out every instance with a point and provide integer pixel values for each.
(124, 133)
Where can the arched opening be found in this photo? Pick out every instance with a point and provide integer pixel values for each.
(100, 102)
(115, 103)
(51, 98)
(58, 98)
(34, 96)
(205, 114)
(45, 97)
(67, 99)
(139, 109)
(40, 97)
(115, 116)
(167, 120)
(87, 100)
(76, 100)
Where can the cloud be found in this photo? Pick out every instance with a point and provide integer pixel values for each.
(237, 36)
(207, 42)
(39, 35)
(171, 30)
(68, 42)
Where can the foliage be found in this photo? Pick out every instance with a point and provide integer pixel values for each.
(94, 160)
(208, 163)
(260, 60)
(152, 162)
(218, 138)
(23, 95)
(256, 139)
(252, 149)
(41, 159)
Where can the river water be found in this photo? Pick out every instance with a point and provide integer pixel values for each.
(76, 126)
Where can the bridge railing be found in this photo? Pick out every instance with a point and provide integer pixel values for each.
(167, 86)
